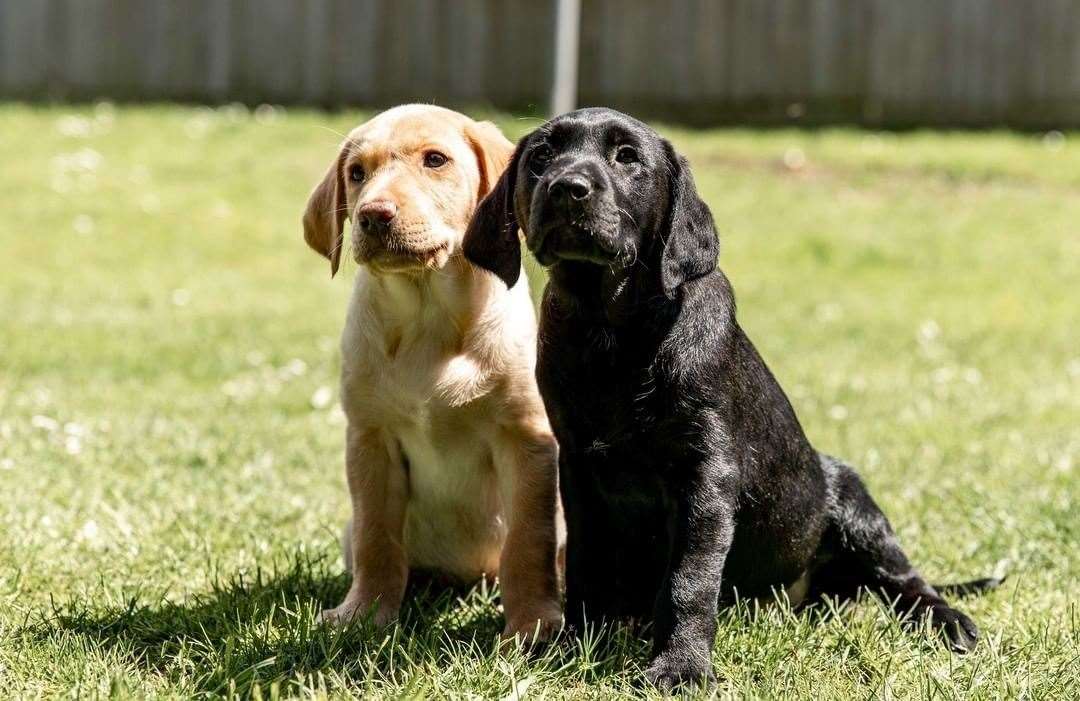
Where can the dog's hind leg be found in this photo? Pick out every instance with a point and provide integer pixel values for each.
(861, 551)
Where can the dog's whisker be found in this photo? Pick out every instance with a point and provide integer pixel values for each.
(348, 139)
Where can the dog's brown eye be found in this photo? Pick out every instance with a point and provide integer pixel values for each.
(542, 153)
(627, 154)
(434, 159)
(356, 174)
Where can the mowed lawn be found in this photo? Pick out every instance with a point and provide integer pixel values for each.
(171, 480)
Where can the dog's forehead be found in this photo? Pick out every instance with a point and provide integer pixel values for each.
(596, 126)
(408, 128)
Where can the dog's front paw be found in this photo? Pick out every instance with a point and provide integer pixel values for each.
(534, 629)
(349, 612)
(671, 670)
(960, 631)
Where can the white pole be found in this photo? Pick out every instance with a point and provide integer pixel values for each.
(564, 83)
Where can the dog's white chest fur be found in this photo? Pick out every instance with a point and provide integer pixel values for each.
(404, 369)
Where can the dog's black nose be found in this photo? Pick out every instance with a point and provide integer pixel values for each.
(571, 186)
(375, 217)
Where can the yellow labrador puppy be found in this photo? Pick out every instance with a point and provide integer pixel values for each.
(450, 460)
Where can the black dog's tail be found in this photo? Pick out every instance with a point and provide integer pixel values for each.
(972, 588)
(866, 555)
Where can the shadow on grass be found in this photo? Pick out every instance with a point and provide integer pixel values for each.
(261, 629)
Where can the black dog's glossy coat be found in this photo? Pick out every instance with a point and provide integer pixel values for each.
(685, 474)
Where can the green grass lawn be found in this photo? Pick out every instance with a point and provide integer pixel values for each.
(171, 452)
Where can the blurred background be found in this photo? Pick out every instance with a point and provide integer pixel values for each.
(873, 62)
(897, 190)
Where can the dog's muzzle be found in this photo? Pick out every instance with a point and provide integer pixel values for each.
(570, 220)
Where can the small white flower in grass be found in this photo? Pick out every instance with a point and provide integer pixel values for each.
(265, 114)
(943, 375)
(105, 113)
(7, 464)
(83, 225)
(794, 159)
(838, 412)
(322, 397)
(261, 464)
(85, 160)
(872, 143)
(74, 126)
(1064, 463)
(295, 367)
(89, 531)
(1053, 140)
(45, 423)
(197, 126)
(828, 312)
(181, 297)
(929, 331)
(234, 112)
(73, 445)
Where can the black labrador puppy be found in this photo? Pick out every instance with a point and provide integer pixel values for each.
(685, 474)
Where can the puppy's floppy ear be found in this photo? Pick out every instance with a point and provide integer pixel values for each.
(491, 241)
(325, 213)
(493, 151)
(691, 245)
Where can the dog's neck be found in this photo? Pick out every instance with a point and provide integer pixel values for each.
(613, 296)
(446, 301)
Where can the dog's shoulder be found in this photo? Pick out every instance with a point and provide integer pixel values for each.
(704, 329)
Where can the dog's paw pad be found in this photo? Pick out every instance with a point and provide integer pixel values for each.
(960, 631)
(669, 675)
(540, 630)
(337, 616)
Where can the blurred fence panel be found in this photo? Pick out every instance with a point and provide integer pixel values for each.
(968, 62)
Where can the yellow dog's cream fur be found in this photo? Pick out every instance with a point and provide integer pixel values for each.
(450, 460)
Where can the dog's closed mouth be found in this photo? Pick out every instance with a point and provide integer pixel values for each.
(400, 258)
(570, 242)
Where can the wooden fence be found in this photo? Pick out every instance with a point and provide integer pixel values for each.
(888, 62)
